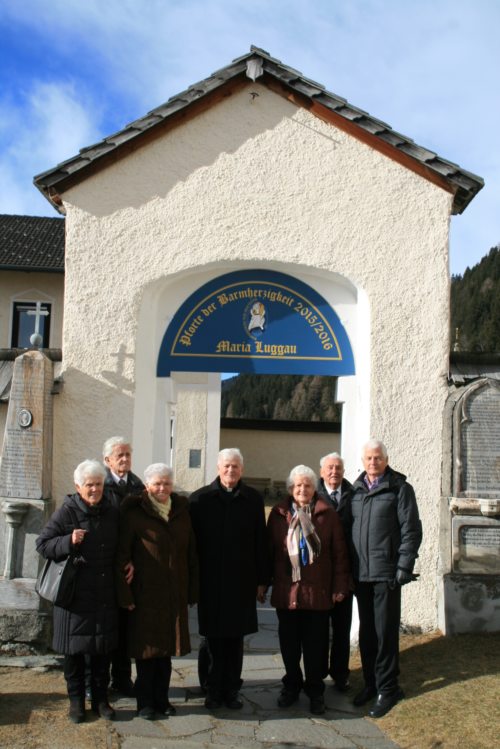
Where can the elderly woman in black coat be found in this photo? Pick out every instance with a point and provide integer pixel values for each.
(86, 526)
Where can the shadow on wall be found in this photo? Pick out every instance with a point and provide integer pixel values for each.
(197, 144)
(86, 413)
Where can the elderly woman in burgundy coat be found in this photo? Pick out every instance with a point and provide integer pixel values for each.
(310, 573)
(156, 536)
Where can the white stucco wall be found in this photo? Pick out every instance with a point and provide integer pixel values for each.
(258, 182)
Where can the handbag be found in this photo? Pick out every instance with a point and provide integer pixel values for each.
(56, 581)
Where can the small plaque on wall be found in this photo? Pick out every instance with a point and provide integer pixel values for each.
(195, 458)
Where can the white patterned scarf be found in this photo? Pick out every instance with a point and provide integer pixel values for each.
(302, 529)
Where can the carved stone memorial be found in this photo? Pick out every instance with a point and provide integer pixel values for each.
(25, 481)
(470, 521)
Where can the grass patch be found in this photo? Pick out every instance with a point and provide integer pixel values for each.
(452, 689)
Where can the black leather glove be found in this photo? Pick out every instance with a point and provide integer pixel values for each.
(403, 576)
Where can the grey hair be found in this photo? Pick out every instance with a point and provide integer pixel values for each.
(331, 455)
(86, 469)
(157, 469)
(301, 471)
(230, 453)
(111, 443)
(374, 445)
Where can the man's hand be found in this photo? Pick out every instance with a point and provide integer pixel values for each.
(129, 572)
(338, 598)
(403, 576)
(261, 593)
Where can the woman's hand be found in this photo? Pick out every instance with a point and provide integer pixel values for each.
(77, 536)
(338, 597)
(261, 593)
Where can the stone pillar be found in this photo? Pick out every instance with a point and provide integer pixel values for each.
(25, 486)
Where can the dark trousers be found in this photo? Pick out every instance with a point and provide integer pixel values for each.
(225, 667)
(121, 664)
(304, 634)
(74, 673)
(153, 682)
(340, 649)
(379, 608)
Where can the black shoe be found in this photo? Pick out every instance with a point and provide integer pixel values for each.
(318, 705)
(167, 709)
(384, 703)
(366, 694)
(105, 710)
(212, 703)
(125, 688)
(287, 698)
(233, 701)
(76, 711)
(147, 713)
(170, 709)
(342, 686)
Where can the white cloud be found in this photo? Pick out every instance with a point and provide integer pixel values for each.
(428, 68)
(46, 126)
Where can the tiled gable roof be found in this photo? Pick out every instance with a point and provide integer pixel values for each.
(259, 65)
(33, 243)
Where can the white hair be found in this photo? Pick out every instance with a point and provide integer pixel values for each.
(88, 469)
(111, 443)
(230, 453)
(157, 469)
(330, 456)
(374, 445)
(301, 471)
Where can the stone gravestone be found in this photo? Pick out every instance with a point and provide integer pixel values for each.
(25, 492)
(472, 586)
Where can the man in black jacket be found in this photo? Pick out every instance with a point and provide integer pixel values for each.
(229, 525)
(120, 482)
(386, 535)
(337, 491)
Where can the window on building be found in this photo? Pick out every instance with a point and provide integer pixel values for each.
(29, 318)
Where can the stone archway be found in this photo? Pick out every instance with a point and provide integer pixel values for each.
(183, 406)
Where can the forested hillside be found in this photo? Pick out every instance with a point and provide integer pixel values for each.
(475, 306)
(289, 397)
(475, 311)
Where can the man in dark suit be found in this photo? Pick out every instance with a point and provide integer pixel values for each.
(337, 490)
(230, 529)
(120, 482)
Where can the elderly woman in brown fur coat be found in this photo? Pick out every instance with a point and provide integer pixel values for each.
(156, 536)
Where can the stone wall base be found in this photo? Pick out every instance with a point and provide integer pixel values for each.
(471, 603)
(25, 631)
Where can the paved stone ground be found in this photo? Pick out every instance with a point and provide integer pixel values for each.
(260, 724)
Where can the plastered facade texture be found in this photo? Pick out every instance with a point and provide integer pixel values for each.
(259, 182)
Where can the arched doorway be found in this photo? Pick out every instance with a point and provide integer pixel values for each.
(252, 319)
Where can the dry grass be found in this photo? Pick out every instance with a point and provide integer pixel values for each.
(452, 689)
(452, 700)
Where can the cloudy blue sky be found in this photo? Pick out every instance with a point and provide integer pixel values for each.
(74, 71)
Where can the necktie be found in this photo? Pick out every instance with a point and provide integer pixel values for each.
(334, 496)
(122, 483)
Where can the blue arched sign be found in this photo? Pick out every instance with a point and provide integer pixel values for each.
(256, 321)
